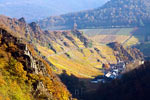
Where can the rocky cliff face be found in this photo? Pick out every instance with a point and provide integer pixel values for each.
(82, 38)
(33, 33)
(38, 75)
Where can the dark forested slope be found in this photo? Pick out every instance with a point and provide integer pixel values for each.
(133, 85)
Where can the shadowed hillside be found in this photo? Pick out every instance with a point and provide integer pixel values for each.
(133, 85)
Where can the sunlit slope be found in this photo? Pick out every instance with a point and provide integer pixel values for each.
(138, 37)
(71, 51)
(125, 36)
(82, 62)
(24, 75)
(76, 54)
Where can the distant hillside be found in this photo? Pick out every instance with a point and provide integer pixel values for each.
(115, 13)
(34, 10)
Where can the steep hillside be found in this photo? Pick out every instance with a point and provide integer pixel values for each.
(115, 13)
(66, 50)
(24, 75)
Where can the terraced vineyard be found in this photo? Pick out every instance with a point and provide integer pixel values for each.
(112, 31)
(138, 37)
(76, 60)
(127, 36)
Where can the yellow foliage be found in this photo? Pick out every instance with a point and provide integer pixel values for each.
(3, 63)
(20, 71)
(131, 42)
(4, 46)
(80, 59)
(1, 98)
(109, 38)
(2, 81)
(7, 98)
(16, 83)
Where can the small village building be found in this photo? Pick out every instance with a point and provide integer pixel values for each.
(108, 74)
(94, 81)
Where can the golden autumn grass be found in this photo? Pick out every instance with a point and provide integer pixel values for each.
(109, 38)
(82, 62)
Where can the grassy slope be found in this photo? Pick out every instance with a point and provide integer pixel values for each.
(118, 35)
(140, 37)
(109, 35)
(112, 31)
